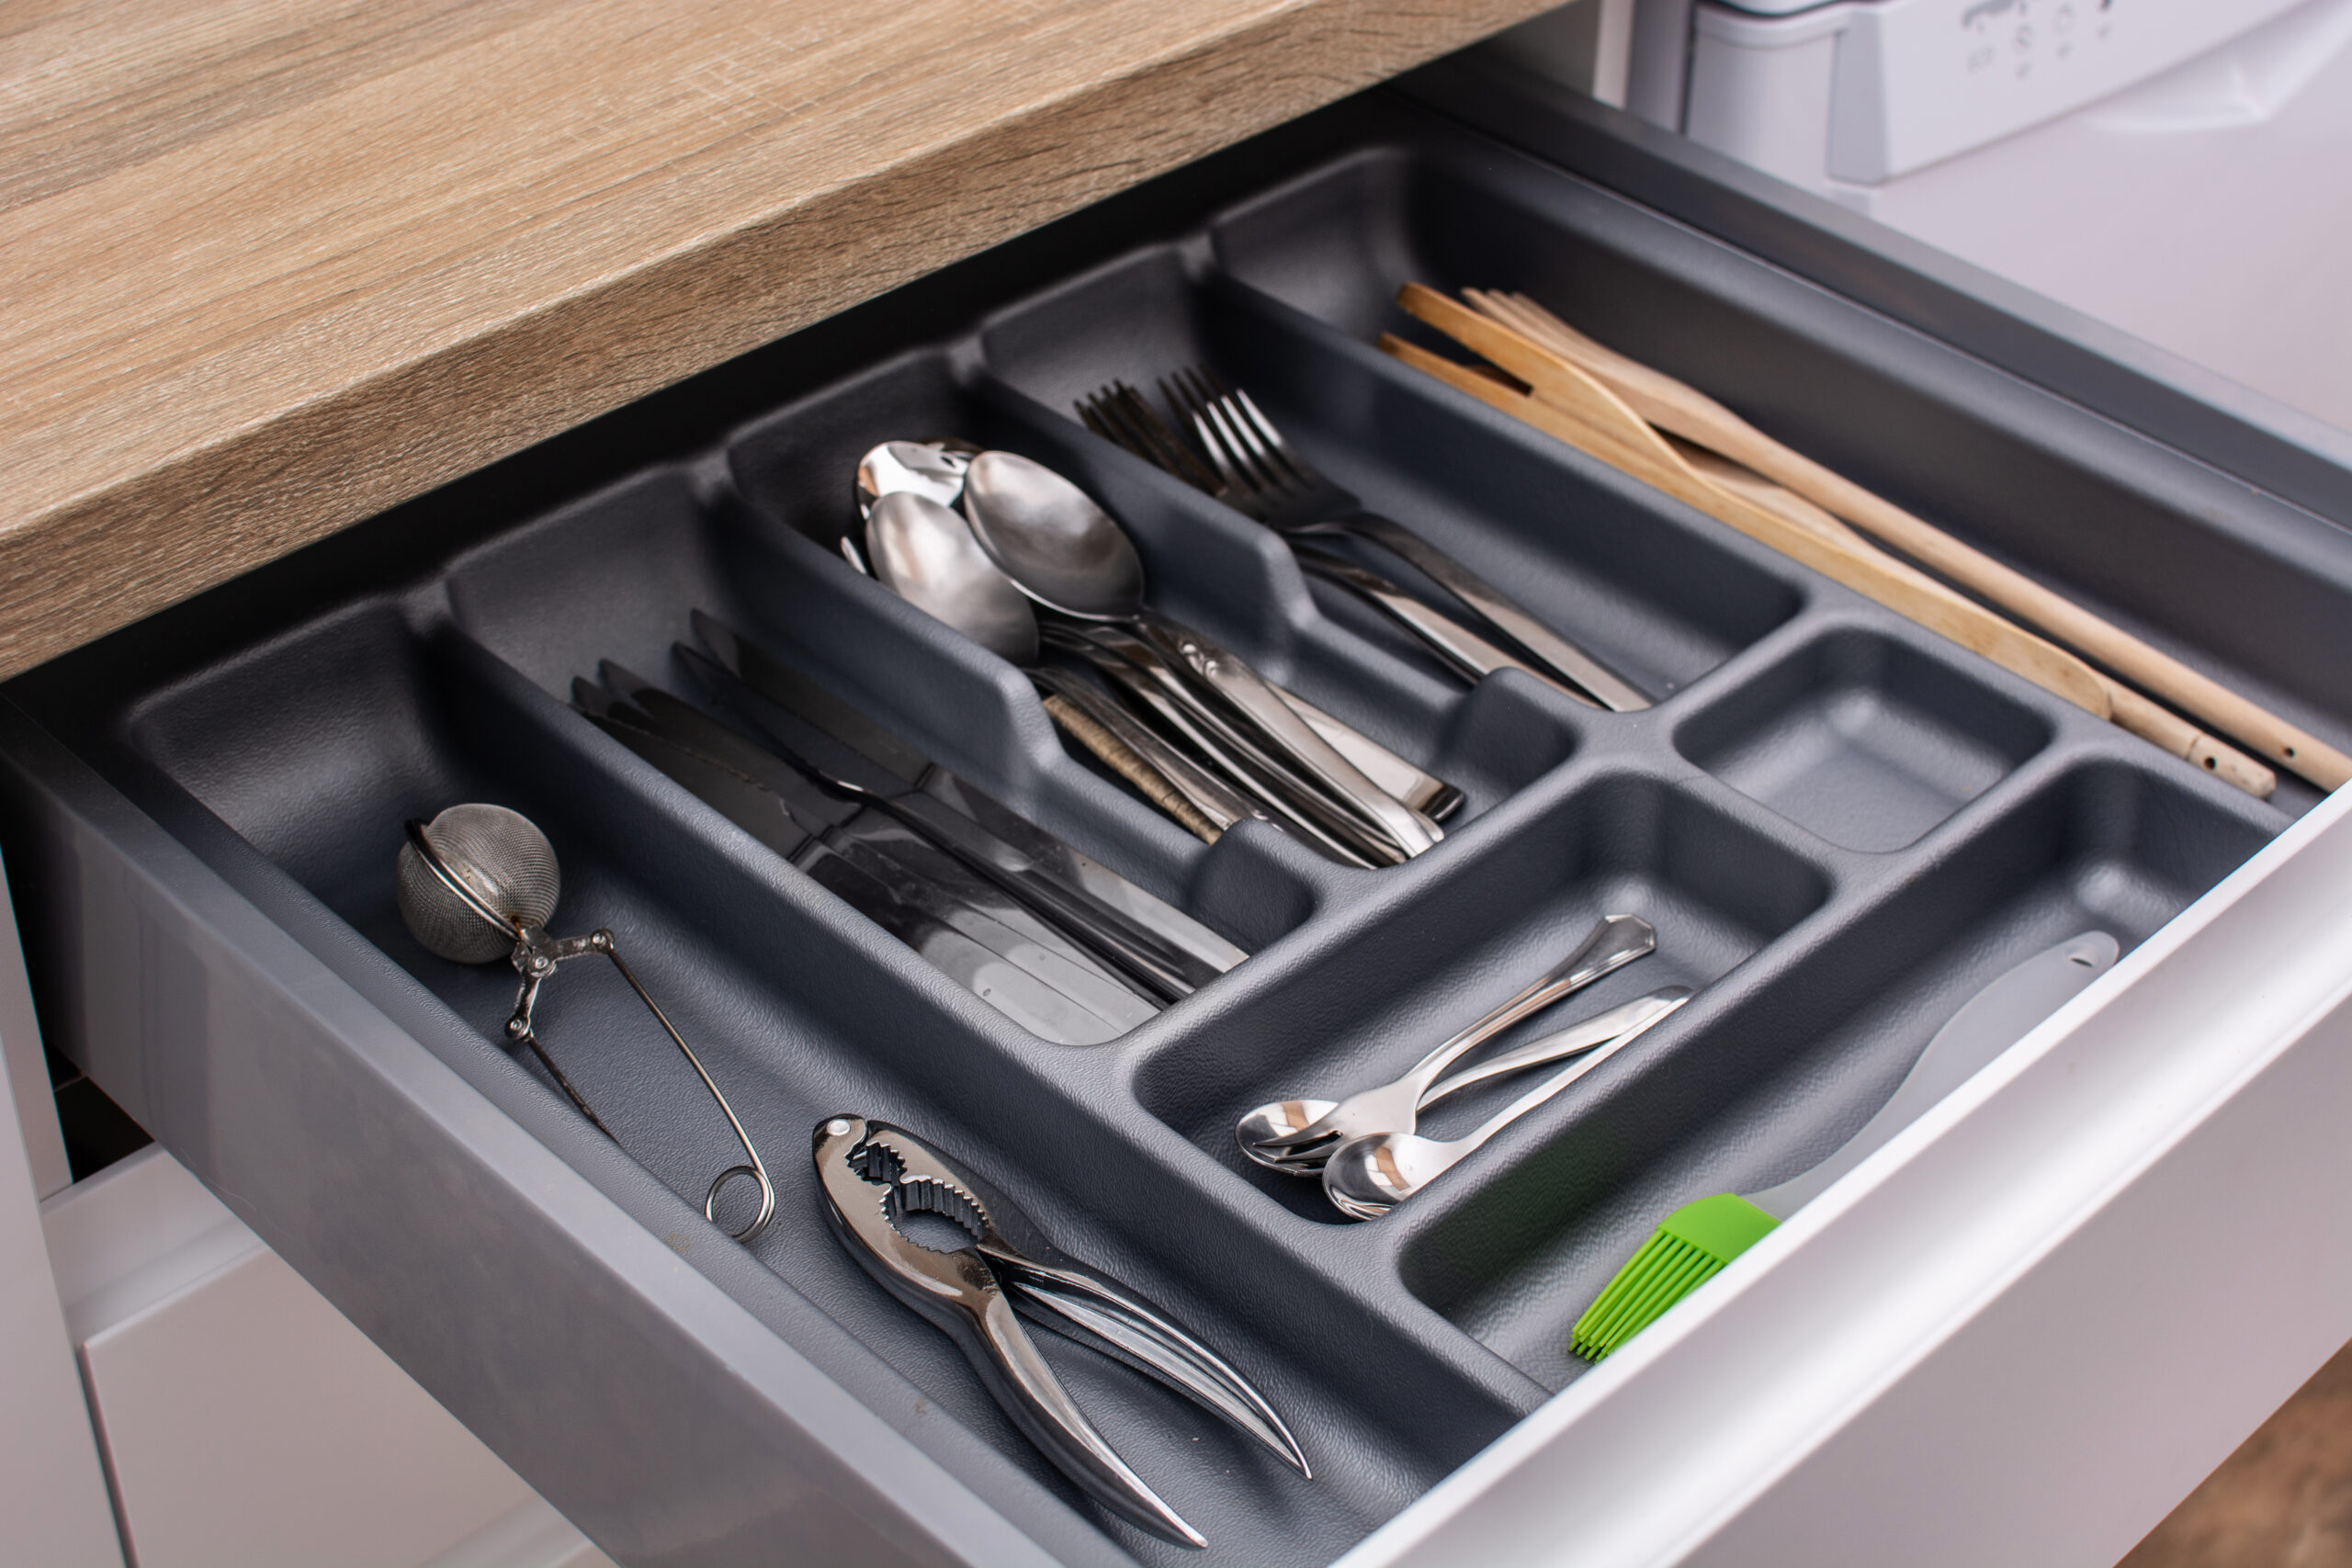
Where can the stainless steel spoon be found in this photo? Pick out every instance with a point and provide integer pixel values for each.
(1613, 943)
(932, 469)
(1367, 1176)
(927, 555)
(923, 553)
(1068, 554)
(1573, 1040)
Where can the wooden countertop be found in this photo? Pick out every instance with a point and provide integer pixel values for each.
(272, 266)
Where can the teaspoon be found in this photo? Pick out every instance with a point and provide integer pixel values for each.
(1615, 941)
(1599, 1030)
(1367, 1176)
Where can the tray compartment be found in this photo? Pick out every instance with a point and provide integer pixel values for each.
(1662, 604)
(1782, 1074)
(1206, 568)
(850, 1021)
(2251, 592)
(281, 727)
(619, 575)
(1863, 740)
(1393, 981)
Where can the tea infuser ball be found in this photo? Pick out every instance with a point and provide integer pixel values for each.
(502, 857)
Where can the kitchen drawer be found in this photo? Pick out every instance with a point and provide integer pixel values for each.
(1840, 824)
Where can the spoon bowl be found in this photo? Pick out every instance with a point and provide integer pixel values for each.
(1051, 539)
(1365, 1177)
(1615, 941)
(1257, 1133)
(932, 469)
(923, 553)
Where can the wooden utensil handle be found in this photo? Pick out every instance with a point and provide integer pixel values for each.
(1566, 403)
(1684, 410)
(1121, 760)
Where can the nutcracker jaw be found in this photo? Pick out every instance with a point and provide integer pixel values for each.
(874, 1173)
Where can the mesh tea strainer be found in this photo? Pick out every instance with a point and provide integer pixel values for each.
(479, 881)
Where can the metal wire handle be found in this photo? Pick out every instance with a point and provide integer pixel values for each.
(535, 955)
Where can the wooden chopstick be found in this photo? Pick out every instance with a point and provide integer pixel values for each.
(1682, 410)
(1565, 403)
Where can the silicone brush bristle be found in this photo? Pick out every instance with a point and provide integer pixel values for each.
(1690, 1249)
(1665, 1269)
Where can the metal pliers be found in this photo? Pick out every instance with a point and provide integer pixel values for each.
(874, 1173)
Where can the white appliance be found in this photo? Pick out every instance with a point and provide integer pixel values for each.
(2180, 169)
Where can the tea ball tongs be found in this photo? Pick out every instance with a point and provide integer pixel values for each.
(517, 846)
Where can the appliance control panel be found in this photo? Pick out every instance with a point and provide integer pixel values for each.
(1916, 81)
(1920, 80)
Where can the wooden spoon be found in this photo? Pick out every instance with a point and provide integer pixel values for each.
(1682, 410)
(1565, 403)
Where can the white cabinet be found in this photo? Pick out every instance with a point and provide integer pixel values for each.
(246, 1423)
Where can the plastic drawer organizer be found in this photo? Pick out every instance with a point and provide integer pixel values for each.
(1839, 824)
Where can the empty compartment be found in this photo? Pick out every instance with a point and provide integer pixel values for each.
(1386, 983)
(1655, 602)
(1815, 1040)
(1865, 740)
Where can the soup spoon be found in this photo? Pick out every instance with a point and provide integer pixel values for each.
(1070, 555)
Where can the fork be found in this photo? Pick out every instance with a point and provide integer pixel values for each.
(1253, 468)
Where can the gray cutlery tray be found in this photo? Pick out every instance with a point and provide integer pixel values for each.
(1840, 824)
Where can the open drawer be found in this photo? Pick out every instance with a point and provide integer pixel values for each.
(1840, 825)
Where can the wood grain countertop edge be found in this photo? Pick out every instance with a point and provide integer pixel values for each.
(146, 539)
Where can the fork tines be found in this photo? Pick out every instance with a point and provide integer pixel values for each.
(1243, 444)
(1250, 466)
(1119, 413)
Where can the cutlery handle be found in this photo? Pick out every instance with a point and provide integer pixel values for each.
(1568, 660)
(1459, 649)
(1270, 788)
(1117, 753)
(1424, 792)
(1662, 1004)
(1614, 942)
(1573, 1040)
(1248, 692)
(1165, 972)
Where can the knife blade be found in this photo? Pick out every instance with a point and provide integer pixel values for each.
(839, 738)
(1161, 968)
(1052, 991)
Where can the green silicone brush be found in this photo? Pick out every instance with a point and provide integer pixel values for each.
(1697, 1240)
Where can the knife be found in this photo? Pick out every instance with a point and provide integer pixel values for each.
(1030, 975)
(1159, 968)
(844, 740)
